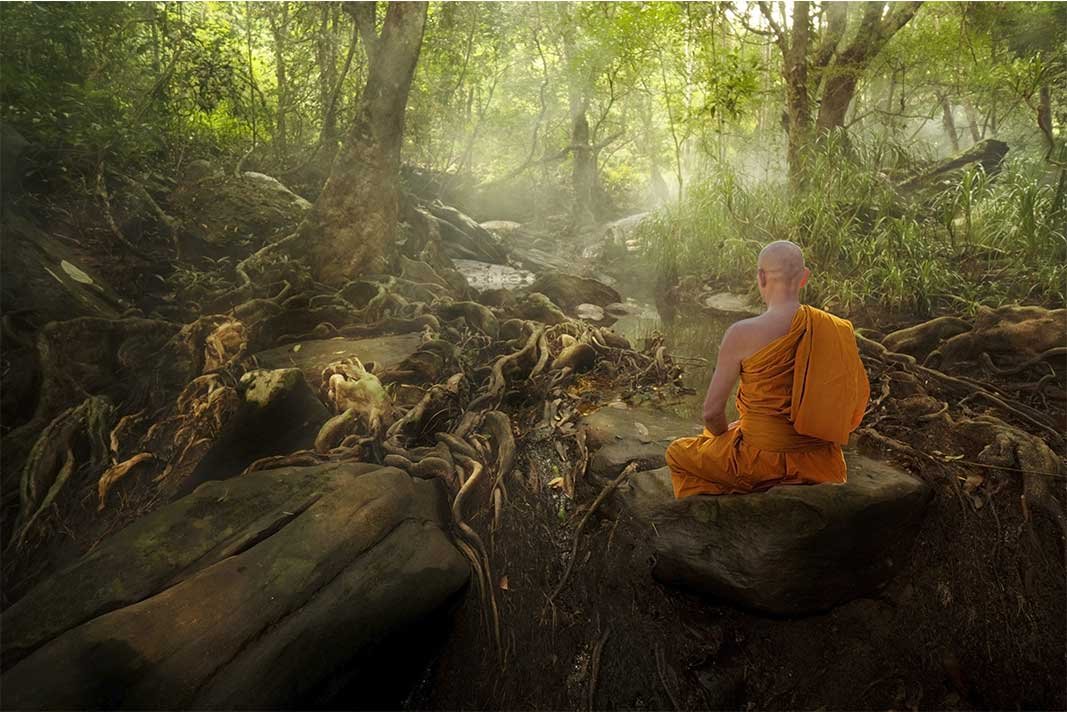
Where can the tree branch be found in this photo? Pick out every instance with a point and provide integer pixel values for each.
(365, 15)
(779, 35)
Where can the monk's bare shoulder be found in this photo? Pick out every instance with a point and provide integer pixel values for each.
(743, 337)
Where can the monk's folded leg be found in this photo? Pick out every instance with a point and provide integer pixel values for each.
(704, 465)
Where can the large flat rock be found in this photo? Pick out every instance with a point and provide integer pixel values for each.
(314, 355)
(730, 304)
(790, 550)
(254, 592)
(620, 435)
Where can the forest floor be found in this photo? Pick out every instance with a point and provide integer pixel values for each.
(973, 406)
(974, 619)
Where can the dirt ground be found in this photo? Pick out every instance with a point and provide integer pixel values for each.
(974, 620)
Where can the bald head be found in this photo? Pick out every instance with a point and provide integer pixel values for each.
(781, 268)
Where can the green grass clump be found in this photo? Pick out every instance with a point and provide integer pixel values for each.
(979, 239)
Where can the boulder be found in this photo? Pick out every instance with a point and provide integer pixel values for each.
(502, 227)
(48, 278)
(730, 304)
(618, 434)
(233, 215)
(790, 550)
(273, 186)
(570, 290)
(538, 307)
(263, 591)
(459, 244)
(460, 231)
(619, 421)
(314, 355)
(591, 312)
(484, 276)
(278, 414)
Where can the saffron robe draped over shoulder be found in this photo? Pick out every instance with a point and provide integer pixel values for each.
(800, 397)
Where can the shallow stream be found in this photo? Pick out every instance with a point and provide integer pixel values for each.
(692, 336)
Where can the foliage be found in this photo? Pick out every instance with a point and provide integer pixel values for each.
(985, 240)
(158, 83)
(684, 103)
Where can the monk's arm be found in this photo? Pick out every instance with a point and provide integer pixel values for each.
(727, 370)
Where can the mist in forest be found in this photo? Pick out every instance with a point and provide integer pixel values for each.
(521, 355)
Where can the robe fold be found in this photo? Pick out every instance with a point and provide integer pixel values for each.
(800, 397)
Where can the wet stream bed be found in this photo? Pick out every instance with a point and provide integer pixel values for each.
(691, 335)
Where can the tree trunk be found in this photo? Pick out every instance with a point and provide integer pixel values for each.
(584, 175)
(798, 105)
(949, 123)
(352, 228)
(843, 74)
(972, 121)
(280, 31)
(327, 60)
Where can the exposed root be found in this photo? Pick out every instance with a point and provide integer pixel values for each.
(298, 459)
(117, 472)
(608, 489)
(1059, 352)
(594, 674)
(480, 559)
(664, 676)
(498, 378)
(1034, 418)
(53, 458)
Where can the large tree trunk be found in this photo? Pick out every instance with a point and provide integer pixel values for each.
(352, 228)
(843, 74)
(796, 120)
(798, 106)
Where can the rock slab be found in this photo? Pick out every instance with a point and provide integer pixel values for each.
(256, 592)
(791, 550)
(618, 435)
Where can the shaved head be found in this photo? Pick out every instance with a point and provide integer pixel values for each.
(781, 271)
(781, 259)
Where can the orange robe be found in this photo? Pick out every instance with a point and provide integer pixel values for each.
(800, 397)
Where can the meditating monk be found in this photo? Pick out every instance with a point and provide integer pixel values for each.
(803, 390)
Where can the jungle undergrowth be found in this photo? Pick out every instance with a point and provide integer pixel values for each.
(982, 240)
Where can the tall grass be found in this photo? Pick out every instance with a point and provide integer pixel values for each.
(978, 240)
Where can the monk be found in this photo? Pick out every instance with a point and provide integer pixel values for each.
(803, 390)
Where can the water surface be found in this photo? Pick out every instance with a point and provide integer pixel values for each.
(688, 335)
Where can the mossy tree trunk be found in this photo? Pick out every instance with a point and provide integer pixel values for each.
(352, 228)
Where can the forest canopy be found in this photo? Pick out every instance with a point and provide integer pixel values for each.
(719, 114)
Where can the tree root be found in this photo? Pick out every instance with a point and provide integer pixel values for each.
(53, 459)
(1059, 352)
(477, 552)
(1034, 418)
(608, 489)
(117, 472)
(1007, 446)
(598, 651)
(664, 676)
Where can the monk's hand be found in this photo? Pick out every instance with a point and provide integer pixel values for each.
(715, 423)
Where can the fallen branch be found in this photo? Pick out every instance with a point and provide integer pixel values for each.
(598, 651)
(608, 489)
